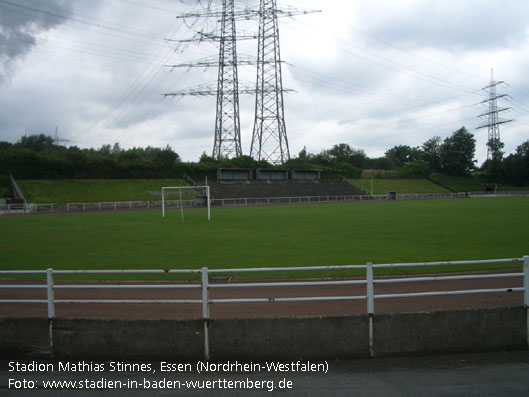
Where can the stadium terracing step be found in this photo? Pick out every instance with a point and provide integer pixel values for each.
(289, 188)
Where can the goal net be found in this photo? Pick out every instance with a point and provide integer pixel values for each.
(203, 191)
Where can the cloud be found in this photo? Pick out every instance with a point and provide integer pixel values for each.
(447, 24)
(97, 72)
(21, 22)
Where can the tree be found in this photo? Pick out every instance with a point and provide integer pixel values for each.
(431, 153)
(494, 165)
(495, 146)
(515, 167)
(36, 143)
(402, 154)
(303, 153)
(341, 153)
(116, 149)
(379, 163)
(457, 153)
(415, 169)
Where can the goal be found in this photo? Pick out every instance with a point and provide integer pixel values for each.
(179, 188)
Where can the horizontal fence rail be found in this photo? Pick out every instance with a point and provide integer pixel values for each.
(208, 282)
(230, 202)
(208, 278)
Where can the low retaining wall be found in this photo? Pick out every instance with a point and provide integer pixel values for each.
(449, 331)
(469, 330)
(23, 337)
(289, 338)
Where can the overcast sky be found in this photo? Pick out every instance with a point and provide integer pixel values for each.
(369, 73)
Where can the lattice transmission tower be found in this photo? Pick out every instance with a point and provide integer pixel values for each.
(493, 121)
(227, 123)
(269, 141)
(227, 141)
(269, 138)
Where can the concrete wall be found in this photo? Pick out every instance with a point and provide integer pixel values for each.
(448, 331)
(128, 339)
(289, 338)
(269, 338)
(23, 337)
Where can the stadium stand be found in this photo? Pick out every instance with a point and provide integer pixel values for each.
(282, 188)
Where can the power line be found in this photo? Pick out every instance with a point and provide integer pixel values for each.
(348, 87)
(62, 19)
(400, 68)
(389, 44)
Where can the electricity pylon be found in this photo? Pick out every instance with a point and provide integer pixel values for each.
(269, 88)
(227, 142)
(493, 120)
(269, 138)
(227, 123)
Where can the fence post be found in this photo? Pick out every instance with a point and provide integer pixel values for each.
(49, 282)
(370, 307)
(526, 293)
(208, 199)
(163, 204)
(51, 308)
(205, 310)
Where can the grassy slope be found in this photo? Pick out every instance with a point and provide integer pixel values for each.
(87, 191)
(336, 234)
(402, 186)
(460, 183)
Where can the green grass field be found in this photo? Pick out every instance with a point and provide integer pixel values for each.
(310, 235)
(401, 186)
(90, 191)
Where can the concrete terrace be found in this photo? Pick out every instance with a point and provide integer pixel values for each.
(284, 188)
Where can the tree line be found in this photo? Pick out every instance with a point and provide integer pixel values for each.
(38, 157)
(455, 155)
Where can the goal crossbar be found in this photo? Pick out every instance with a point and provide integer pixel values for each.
(179, 188)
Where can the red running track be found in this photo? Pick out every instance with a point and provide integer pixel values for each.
(268, 309)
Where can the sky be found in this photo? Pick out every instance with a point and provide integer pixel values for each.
(369, 73)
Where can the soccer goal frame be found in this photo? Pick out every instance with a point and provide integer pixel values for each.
(179, 188)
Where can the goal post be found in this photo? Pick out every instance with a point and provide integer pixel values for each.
(179, 188)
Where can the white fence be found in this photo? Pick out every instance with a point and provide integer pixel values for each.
(206, 285)
(146, 205)
(91, 207)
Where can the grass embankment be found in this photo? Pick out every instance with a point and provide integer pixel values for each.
(401, 186)
(311, 235)
(460, 183)
(93, 191)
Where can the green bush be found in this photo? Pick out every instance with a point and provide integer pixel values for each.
(5, 186)
(415, 169)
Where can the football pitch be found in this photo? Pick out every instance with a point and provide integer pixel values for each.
(274, 236)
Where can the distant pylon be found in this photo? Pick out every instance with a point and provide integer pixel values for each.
(227, 123)
(493, 120)
(269, 139)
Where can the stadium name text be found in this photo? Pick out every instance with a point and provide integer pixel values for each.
(163, 366)
(78, 366)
